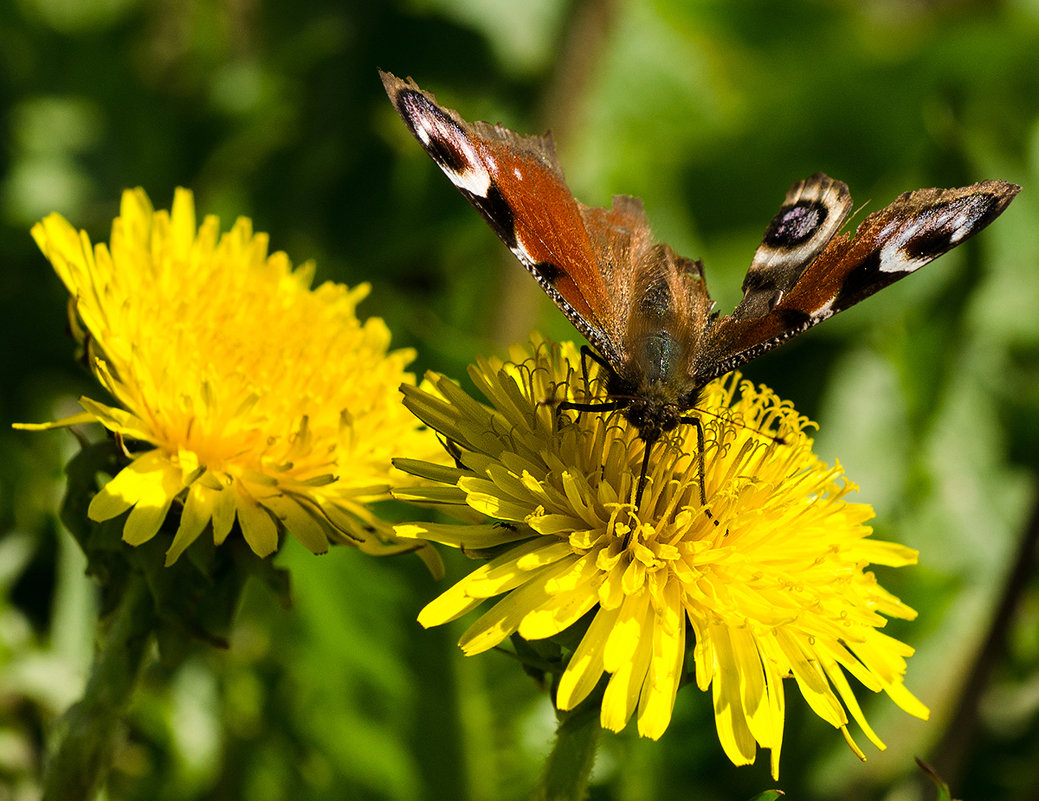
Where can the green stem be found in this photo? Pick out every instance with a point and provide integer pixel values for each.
(570, 763)
(85, 738)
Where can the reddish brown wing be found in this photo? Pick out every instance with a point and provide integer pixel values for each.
(516, 183)
(889, 244)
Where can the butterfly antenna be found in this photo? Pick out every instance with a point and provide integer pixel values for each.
(778, 439)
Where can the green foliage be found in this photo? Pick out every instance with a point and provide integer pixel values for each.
(928, 393)
(942, 787)
(194, 599)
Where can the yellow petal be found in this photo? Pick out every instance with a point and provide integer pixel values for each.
(624, 639)
(145, 481)
(502, 619)
(623, 689)
(511, 569)
(299, 521)
(258, 527)
(657, 701)
(195, 516)
(585, 666)
(733, 733)
(564, 608)
(489, 535)
(118, 420)
(223, 511)
(73, 420)
(448, 606)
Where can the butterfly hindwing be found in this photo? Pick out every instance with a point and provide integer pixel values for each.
(915, 229)
(811, 215)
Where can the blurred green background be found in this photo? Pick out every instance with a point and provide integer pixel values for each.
(928, 393)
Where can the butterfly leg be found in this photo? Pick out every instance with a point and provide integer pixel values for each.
(599, 406)
(642, 473)
(588, 354)
(605, 405)
(453, 451)
(701, 467)
(593, 406)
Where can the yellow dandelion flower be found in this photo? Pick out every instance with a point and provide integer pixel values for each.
(245, 394)
(767, 582)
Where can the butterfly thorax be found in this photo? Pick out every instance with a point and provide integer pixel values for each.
(655, 383)
(661, 323)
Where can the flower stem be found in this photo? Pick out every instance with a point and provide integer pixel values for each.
(85, 738)
(570, 763)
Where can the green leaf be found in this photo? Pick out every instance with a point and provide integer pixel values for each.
(944, 794)
(196, 598)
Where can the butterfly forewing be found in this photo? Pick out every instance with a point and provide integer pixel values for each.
(516, 183)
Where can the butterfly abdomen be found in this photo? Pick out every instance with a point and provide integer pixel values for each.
(660, 356)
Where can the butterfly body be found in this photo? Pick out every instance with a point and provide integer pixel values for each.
(650, 350)
(645, 309)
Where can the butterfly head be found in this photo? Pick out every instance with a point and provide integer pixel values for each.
(653, 394)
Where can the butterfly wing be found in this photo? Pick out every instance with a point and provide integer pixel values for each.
(603, 270)
(789, 297)
(516, 183)
(812, 213)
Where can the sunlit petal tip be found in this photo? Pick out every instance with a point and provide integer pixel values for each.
(244, 396)
(72, 420)
(769, 576)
